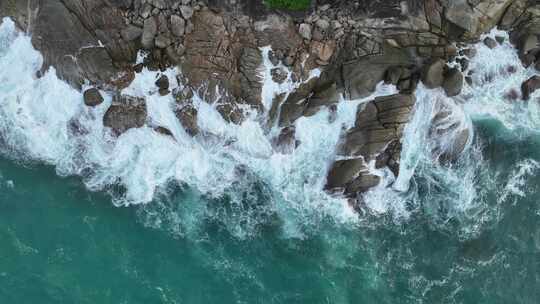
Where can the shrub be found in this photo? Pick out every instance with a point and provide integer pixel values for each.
(294, 5)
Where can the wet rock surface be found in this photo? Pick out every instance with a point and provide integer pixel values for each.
(217, 45)
(453, 82)
(125, 113)
(529, 86)
(376, 136)
(92, 97)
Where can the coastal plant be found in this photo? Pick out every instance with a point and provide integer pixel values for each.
(294, 5)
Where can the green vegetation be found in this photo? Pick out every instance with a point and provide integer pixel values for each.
(294, 5)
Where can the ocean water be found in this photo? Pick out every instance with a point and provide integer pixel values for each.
(223, 218)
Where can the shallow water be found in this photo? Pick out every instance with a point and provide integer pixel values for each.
(173, 221)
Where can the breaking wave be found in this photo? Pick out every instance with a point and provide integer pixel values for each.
(234, 175)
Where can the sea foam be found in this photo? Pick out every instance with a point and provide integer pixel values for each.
(45, 120)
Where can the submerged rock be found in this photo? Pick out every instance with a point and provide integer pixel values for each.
(529, 86)
(432, 75)
(449, 134)
(286, 141)
(351, 176)
(163, 83)
(490, 42)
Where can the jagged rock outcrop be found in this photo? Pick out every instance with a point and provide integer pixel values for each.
(523, 20)
(81, 39)
(375, 137)
(453, 81)
(217, 46)
(125, 113)
(529, 86)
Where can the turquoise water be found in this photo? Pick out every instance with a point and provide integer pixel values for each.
(87, 218)
(63, 244)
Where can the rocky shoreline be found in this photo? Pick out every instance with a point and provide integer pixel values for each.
(217, 45)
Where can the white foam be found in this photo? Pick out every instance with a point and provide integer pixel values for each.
(492, 81)
(229, 161)
(37, 116)
(517, 183)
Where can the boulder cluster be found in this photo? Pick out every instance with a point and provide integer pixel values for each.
(161, 25)
(218, 47)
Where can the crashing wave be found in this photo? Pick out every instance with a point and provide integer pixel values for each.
(44, 119)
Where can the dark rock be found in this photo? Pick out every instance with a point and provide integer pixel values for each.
(432, 74)
(512, 95)
(470, 52)
(393, 75)
(164, 131)
(375, 136)
(511, 69)
(448, 138)
(463, 63)
(490, 42)
(294, 105)
(289, 61)
(529, 86)
(390, 157)
(163, 82)
(230, 111)
(346, 176)
(187, 115)
(323, 96)
(530, 58)
(404, 85)
(126, 113)
(361, 76)
(500, 39)
(138, 67)
(453, 82)
(92, 97)
(279, 75)
(528, 43)
(286, 142)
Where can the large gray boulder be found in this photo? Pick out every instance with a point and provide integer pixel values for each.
(453, 82)
(125, 113)
(362, 75)
(375, 136)
(432, 74)
(92, 97)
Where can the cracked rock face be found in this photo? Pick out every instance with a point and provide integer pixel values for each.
(375, 137)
